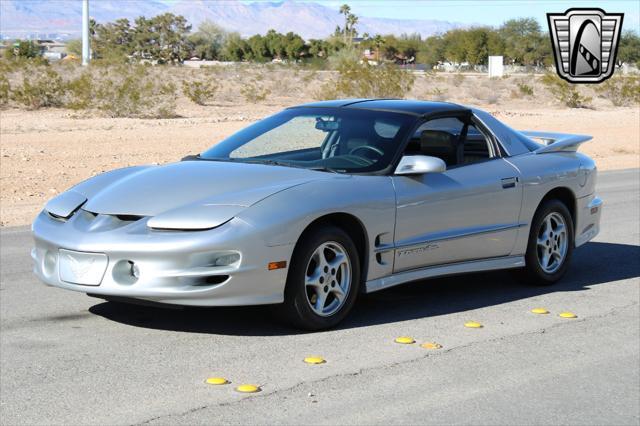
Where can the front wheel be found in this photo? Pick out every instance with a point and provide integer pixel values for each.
(550, 244)
(323, 280)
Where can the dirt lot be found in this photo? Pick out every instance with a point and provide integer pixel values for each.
(45, 152)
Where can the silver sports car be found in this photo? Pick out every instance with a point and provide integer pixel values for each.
(320, 202)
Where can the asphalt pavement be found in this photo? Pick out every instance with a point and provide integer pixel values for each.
(66, 358)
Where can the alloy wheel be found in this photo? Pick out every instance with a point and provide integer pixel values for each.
(328, 278)
(552, 242)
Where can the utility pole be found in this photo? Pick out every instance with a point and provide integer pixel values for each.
(86, 50)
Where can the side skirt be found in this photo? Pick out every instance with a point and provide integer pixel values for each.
(507, 262)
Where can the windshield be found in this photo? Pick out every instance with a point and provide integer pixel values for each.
(334, 139)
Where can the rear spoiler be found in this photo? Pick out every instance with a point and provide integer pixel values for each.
(557, 142)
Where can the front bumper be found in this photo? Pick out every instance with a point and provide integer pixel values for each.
(589, 211)
(173, 267)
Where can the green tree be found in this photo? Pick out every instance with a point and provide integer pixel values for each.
(162, 38)
(629, 49)
(234, 48)
(522, 38)
(257, 49)
(26, 49)
(74, 47)
(113, 40)
(208, 41)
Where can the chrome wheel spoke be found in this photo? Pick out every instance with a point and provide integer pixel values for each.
(338, 293)
(543, 240)
(321, 300)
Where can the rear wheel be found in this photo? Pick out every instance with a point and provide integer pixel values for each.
(550, 244)
(323, 280)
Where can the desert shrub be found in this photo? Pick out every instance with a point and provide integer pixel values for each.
(361, 80)
(564, 92)
(5, 90)
(131, 91)
(254, 92)
(525, 89)
(457, 79)
(437, 94)
(80, 93)
(621, 91)
(41, 87)
(343, 58)
(200, 92)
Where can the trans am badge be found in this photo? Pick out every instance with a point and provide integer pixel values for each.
(585, 42)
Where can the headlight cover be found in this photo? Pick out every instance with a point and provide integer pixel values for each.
(65, 204)
(195, 217)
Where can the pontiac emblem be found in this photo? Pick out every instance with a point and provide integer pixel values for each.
(78, 267)
(585, 43)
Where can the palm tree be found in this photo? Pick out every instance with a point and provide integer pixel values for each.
(346, 11)
(378, 41)
(352, 20)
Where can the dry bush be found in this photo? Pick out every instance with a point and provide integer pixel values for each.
(132, 91)
(525, 89)
(621, 91)
(437, 94)
(254, 92)
(41, 87)
(5, 90)
(200, 92)
(361, 80)
(80, 94)
(457, 79)
(564, 92)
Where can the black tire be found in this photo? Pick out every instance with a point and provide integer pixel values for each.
(533, 272)
(297, 308)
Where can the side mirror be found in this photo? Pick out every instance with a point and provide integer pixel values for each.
(191, 157)
(419, 165)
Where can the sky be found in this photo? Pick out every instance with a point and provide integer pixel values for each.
(482, 12)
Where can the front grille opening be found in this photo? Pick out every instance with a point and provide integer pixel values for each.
(211, 280)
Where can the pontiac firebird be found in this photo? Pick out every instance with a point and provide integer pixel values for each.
(320, 202)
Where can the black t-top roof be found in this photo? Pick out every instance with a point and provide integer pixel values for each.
(397, 105)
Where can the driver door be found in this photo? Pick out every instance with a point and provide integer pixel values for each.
(468, 212)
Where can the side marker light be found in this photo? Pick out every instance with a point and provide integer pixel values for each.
(277, 265)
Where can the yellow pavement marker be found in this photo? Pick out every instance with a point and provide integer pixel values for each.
(473, 324)
(431, 345)
(567, 315)
(405, 340)
(248, 388)
(217, 381)
(314, 360)
(539, 311)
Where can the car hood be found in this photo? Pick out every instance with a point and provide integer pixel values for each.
(154, 190)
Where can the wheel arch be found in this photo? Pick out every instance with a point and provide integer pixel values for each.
(353, 227)
(566, 196)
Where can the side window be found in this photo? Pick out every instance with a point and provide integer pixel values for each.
(438, 138)
(477, 146)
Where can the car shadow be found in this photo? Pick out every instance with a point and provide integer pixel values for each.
(595, 263)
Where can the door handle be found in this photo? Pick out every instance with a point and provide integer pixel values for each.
(509, 182)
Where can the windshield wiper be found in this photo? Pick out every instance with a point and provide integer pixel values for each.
(324, 169)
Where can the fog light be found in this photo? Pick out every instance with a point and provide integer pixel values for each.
(227, 259)
(135, 270)
(126, 272)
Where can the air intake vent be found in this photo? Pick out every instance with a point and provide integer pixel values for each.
(128, 217)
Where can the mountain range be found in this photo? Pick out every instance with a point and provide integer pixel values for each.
(21, 18)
